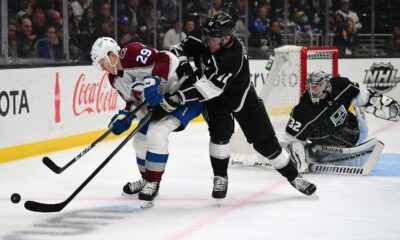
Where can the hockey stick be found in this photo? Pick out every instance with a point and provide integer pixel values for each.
(56, 207)
(53, 167)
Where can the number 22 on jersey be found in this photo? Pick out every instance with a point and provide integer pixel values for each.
(294, 125)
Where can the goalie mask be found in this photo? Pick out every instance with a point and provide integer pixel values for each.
(318, 83)
(100, 50)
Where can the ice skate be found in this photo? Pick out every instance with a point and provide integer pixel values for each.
(220, 188)
(148, 193)
(303, 186)
(133, 187)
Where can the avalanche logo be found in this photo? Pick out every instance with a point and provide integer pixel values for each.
(339, 116)
(381, 77)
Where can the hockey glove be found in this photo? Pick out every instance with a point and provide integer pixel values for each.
(167, 105)
(118, 126)
(151, 93)
(383, 107)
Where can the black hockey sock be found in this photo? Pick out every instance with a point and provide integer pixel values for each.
(220, 166)
(289, 171)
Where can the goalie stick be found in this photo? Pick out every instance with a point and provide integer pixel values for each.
(57, 169)
(56, 207)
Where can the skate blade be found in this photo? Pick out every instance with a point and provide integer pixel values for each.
(127, 195)
(219, 202)
(314, 196)
(146, 204)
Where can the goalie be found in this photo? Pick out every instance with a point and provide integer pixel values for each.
(322, 116)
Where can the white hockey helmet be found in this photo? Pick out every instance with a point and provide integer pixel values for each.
(318, 83)
(101, 47)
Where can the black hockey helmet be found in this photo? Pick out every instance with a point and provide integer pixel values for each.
(317, 84)
(218, 26)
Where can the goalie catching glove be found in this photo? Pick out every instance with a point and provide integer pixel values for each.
(118, 123)
(383, 107)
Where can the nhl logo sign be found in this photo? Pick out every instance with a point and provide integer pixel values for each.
(381, 77)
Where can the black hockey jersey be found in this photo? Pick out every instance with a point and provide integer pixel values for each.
(312, 121)
(224, 74)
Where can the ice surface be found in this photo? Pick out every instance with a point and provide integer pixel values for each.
(260, 203)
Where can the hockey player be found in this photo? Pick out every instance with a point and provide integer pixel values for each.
(322, 115)
(224, 85)
(141, 73)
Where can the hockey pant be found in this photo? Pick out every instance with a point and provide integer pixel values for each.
(151, 142)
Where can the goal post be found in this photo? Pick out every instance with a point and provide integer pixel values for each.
(287, 71)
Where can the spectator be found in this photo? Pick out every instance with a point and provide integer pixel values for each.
(272, 38)
(189, 27)
(25, 38)
(88, 25)
(12, 42)
(345, 11)
(392, 47)
(133, 12)
(173, 36)
(346, 39)
(125, 38)
(79, 7)
(38, 23)
(54, 19)
(238, 15)
(279, 14)
(26, 9)
(304, 25)
(105, 14)
(260, 25)
(50, 47)
(216, 7)
(124, 33)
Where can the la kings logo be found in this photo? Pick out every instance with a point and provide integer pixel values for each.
(339, 116)
(381, 77)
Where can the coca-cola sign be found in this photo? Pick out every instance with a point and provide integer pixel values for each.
(93, 97)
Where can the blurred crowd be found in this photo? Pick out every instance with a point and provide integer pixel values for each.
(35, 28)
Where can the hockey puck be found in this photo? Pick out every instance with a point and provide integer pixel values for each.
(15, 198)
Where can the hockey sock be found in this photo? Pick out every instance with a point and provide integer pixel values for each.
(220, 166)
(289, 171)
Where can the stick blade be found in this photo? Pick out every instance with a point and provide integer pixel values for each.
(50, 164)
(43, 207)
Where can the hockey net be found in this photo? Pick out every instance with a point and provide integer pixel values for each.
(286, 81)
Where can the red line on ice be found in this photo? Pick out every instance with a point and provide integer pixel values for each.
(181, 234)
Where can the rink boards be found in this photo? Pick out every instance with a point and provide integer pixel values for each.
(48, 109)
